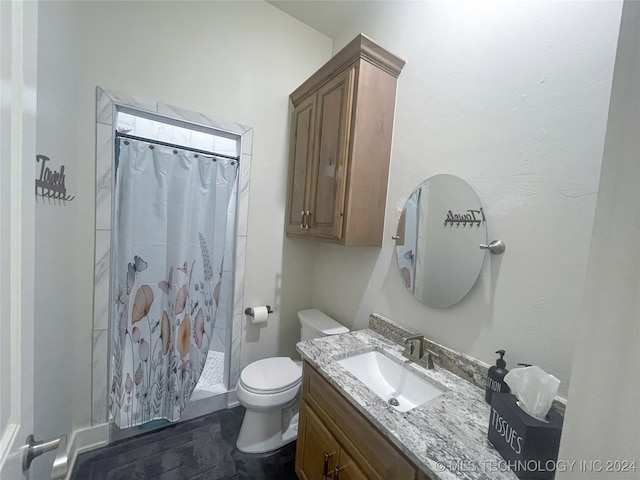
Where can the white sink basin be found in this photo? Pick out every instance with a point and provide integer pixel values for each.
(390, 380)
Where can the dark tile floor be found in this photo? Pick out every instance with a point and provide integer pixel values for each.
(199, 449)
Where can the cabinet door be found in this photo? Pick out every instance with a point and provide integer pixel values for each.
(317, 450)
(302, 143)
(329, 176)
(372, 453)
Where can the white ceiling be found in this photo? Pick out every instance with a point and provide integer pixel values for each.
(327, 16)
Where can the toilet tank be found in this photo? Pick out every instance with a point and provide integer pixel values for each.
(315, 324)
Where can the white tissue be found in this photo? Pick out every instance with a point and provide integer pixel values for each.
(535, 389)
(260, 315)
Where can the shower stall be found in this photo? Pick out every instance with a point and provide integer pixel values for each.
(177, 188)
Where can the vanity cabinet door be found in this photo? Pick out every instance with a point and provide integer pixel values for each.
(347, 469)
(363, 452)
(317, 451)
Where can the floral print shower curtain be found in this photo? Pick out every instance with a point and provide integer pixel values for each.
(170, 225)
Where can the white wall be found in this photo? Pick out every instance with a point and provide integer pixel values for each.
(512, 97)
(235, 60)
(56, 290)
(602, 414)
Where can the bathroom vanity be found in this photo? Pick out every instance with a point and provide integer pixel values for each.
(341, 132)
(334, 439)
(347, 431)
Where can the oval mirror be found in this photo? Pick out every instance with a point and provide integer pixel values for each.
(438, 241)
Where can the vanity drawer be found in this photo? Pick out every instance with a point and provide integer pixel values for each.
(377, 457)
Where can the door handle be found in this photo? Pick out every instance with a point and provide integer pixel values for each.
(337, 471)
(325, 469)
(303, 224)
(35, 449)
(308, 214)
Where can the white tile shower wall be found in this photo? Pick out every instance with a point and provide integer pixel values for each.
(196, 117)
(99, 380)
(104, 108)
(201, 141)
(180, 134)
(236, 342)
(247, 143)
(104, 196)
(101, 280)
(104, 175)
(243, 192)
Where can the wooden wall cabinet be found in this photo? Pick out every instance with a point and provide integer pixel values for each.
(336, 442)
(341, 132)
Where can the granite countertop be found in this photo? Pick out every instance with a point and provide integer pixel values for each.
(445, 437)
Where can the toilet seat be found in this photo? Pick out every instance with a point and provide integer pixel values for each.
(271, 375)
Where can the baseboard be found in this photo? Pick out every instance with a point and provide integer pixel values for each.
(232, 399)
(84, 440)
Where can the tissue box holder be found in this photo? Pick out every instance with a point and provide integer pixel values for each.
(529, 446)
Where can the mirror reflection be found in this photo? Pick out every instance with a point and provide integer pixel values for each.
(439, 236)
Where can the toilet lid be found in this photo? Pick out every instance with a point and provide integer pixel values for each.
(271, 375)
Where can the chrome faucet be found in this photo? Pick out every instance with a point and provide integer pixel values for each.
(409, 351)
(430, 356)
(410, 347)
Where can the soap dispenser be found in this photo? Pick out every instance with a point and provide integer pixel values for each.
(495, 378)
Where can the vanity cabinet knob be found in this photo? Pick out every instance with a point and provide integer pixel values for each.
(336, 472)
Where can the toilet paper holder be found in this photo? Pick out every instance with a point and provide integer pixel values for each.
(249, 311)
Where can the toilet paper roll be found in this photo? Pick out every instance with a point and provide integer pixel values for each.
(260, 315)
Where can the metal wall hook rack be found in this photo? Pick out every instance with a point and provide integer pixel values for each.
(497, 247)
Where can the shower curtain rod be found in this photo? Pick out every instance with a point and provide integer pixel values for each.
(173, 145)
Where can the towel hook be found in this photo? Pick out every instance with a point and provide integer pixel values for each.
(496, 247)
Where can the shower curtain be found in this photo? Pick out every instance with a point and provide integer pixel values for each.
(170, 225)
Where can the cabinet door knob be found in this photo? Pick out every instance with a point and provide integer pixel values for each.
(325, 470)
(337, 471)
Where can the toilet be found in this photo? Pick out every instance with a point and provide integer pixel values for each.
(268, 389)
